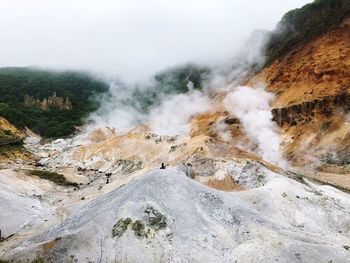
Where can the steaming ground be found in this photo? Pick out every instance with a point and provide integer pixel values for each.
(169, 117)
(252, 107)
(173, 115)
(174, 112)
(165, 107)
(216, 201)
(226, 194)
(166, 102)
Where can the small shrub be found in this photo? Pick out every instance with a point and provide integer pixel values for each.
(121, 226)
(52, 176)
(325, 126)
(38, 260)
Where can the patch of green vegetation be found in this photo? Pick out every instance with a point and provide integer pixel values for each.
(6, 133)
(80, 88)
(296, 176)
(325, 126)
(121, 226)
(303, 24)
(52, 176)
(38, 260)
(6, 149)
(139, 228)
(339, 158)
(7, 137)
(9, 143)
(155, 221)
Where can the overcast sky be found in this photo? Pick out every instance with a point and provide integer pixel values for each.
(130, 38)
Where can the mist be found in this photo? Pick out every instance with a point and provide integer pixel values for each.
(128, 42)
(130, 39)
(173, 115)
(252, 107)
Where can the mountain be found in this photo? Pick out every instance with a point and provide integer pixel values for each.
(311, 83)
(213, 194)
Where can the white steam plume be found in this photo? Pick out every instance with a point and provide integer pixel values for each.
(170, 117)
(252, 107)
(113, 112)
(250, 58)
(173, 115)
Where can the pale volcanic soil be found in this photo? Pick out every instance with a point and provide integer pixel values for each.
(212, 203)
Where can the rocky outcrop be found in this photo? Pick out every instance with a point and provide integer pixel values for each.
(309, 73)
(47, 103)
(305, 111)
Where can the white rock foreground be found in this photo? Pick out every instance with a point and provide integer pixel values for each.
(164, 216)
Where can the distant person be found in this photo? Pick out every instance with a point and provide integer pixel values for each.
(163, 166)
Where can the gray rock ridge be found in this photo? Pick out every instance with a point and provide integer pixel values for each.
(283, 220)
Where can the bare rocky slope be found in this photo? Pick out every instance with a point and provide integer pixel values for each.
(164, 216)
(311, 83)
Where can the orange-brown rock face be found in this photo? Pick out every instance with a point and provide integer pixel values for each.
(312, 87)
(208, 124)
(311, 71)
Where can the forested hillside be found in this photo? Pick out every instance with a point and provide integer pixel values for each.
(76, 87)
(300, 25)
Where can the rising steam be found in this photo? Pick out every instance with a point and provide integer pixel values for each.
(173, 115)
(172, 106)
(252, 107)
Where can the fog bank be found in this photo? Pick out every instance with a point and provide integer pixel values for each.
(131, 39)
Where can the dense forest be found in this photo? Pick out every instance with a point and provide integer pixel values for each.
(302, 24)
(80, 88)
